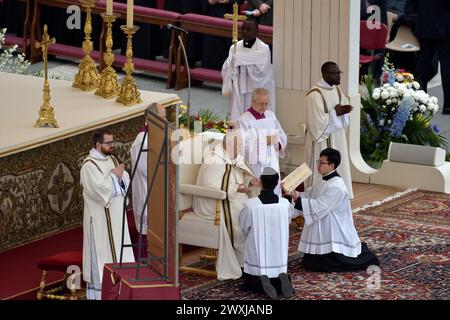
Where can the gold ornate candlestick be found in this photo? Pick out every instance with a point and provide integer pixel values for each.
(46, 112)
(109, 85)
(87, 78)
(129, 94)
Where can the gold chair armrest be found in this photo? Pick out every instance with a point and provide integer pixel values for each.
(217, 220)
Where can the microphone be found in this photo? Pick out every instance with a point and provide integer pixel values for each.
(171, 26)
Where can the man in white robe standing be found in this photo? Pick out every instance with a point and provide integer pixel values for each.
(265, 223)
(104, 182)
(250, 68)
(327, 118)
(139, 183)
(329, 238)
(264, 139)
(224, 169)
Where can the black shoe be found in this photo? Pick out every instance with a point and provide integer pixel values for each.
(267, 287)
(446, 111)
(286, 286)
(245, 287)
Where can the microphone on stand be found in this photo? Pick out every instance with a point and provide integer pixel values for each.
(171, 26)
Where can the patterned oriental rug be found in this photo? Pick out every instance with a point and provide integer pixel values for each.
(409, 233)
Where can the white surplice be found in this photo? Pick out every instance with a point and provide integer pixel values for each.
(211, 175)
(252, 69)
(266, 227)
(139, 183)
(324, 129)
(328, 217)
(259, 155)
(103, 196)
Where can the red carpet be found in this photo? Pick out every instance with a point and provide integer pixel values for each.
(19, 276)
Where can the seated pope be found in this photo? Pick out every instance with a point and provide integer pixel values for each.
(224, 169)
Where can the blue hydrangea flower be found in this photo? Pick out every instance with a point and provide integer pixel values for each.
(435, 128)
(391, 77)
(401, 117)
(369, 119)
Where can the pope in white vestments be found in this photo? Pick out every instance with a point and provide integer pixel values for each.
(104, 184)
(265, 222)
(329, 238)
(224, 169)
(250, 68)
(264, 139)
(327, 118)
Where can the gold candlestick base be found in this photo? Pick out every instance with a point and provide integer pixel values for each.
(46, 112)
(109, 86)
(129, 94)
(87, 78)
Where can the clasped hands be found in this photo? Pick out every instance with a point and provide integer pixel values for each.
(342, 109)
(119, 170)
(264, 8)
(254, 183)
(273, 140)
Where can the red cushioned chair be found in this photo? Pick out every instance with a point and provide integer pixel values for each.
(371, 40)
(60, 262)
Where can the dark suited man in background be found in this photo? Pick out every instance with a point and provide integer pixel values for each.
(433, 31)
(147, 41)
(263, 10)
(194, 39)
(215, 49)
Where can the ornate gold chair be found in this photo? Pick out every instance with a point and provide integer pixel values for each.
(61, 262)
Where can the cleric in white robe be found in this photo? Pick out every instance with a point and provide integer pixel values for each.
(264, 139)
(139, 183)
(265, 223)
(329, 238)
(224, 169)
(250, 68)
(327, 119)
(104, 182)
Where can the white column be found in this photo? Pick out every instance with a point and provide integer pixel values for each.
(308, 33)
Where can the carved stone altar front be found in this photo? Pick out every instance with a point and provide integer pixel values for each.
(40, 192)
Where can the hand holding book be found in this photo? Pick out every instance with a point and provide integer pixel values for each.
(296, 177)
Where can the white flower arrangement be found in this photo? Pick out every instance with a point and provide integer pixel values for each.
(397, 111)
(10, 61)
(392, 94)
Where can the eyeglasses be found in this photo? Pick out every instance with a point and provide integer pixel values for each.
(320, 162)
(109, 143)
(334, 72)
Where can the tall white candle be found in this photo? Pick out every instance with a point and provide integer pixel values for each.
(130, 5)
(109, 7)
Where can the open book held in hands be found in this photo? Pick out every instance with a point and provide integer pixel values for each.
(299, 175)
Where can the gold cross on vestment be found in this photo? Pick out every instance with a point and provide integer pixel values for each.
(46, 41)
(236, 18)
